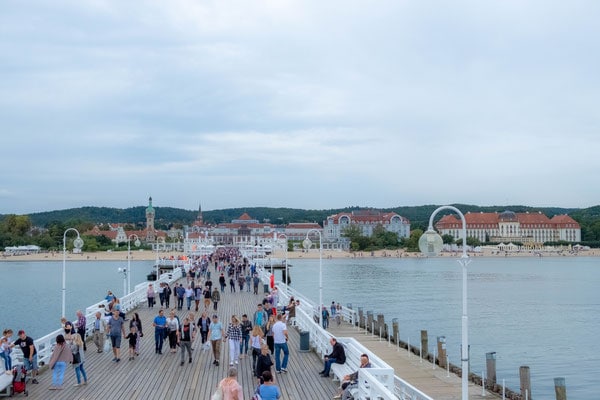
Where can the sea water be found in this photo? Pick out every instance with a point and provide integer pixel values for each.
(539, 312)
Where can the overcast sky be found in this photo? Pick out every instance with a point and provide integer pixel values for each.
(303, 104)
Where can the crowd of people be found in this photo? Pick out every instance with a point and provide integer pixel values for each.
(263, 335)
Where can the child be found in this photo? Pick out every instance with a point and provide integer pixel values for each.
(133, 337)
(5, 348)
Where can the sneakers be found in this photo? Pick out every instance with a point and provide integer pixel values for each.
(284, 370)
(181, 363)
(34, 381)
(190, 361)
(336, 397)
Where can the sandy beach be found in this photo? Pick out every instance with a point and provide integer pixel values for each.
(146, 255)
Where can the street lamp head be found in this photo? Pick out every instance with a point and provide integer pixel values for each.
(430, 243)
(78, 243)
(307, 243)
(137, 243)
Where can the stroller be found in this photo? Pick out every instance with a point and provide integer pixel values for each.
(19, 376)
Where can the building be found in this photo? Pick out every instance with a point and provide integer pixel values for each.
(366, 221)
(531, 229)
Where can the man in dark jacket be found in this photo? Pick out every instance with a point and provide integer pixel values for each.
(338, 356)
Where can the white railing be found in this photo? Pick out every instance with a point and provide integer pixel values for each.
(45, 344)
(375, 383)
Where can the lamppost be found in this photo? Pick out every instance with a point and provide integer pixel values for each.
(286, 259)
(128, 273)
(430, 244)
(78, 244)
(125, 272)
(307, 243)
(159, 239)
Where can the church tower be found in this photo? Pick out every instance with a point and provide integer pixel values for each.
(199, 220)
(150, 214)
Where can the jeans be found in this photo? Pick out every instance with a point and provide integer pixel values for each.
(7, 361)
(58, 373)
(327, 365)
(189, 302)
(244, 344)
(159, 338)
(185, 346)
(79, 370)
(286, 355)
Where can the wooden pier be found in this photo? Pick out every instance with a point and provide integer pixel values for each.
(153, 376)
(434, 381)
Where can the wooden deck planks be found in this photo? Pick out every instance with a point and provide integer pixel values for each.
(152, 376)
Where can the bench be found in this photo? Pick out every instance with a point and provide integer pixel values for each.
(5, 382)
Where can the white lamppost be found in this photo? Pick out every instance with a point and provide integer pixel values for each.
(78, 244)
(159, 239)
(307, 243)
(286, 259)
(125, 272)
(128, 273)
(430, 244)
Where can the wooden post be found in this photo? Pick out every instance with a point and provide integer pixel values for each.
(361, 317)
(525, 377)
(395, 331)
(490, 362)
(424, 343)
(369, 320)
(560, 388)
(441, 346)
(380, 324)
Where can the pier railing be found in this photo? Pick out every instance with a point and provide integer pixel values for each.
(45, 344)
(374, 383)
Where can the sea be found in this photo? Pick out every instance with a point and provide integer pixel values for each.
(538, 312)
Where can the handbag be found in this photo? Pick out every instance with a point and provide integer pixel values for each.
(218, 394)
(76, 358)
(106, 345)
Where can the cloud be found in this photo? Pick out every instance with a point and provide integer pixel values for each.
(305, 104)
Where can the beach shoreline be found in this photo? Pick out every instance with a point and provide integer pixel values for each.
(147, 255)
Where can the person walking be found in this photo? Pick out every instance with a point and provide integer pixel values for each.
(216, 334)
(98, 332)
(136, 323)
(256, 338)
(230, 388)
(151, 295)
(280, 338)
(116, 330)
(216, 297)
(246, 326)
(172, 328)
(186, 336)
(268, 390)
(269, 333)
(203, 325)
(79, 359)
(234, 334)
(61, 356)
(81, 326)
(160, 328)
(263, 362)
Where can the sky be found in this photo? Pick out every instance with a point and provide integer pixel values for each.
(302, 104)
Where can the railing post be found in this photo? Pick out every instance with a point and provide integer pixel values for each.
(361, 318)
(369, 321)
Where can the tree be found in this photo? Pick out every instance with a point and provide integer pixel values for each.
(412, 243)
(472, 241)
(448, 239)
